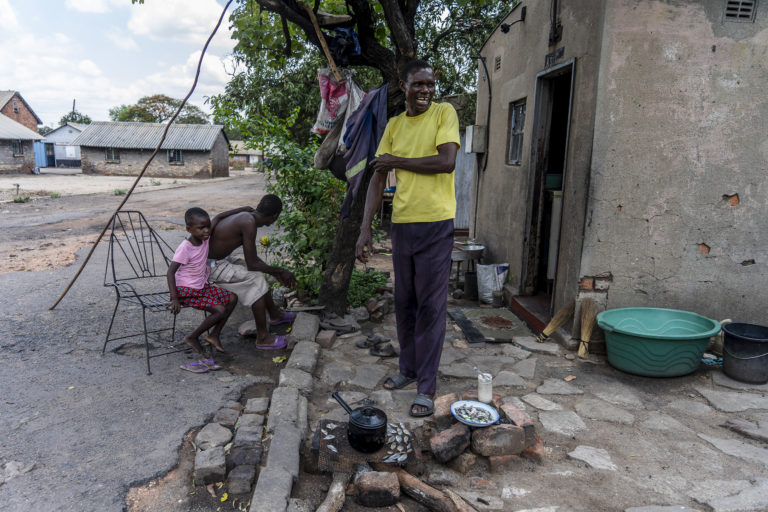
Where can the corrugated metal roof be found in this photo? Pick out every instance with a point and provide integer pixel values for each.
(10, 129)
(121, 135)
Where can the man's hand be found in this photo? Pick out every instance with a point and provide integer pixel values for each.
(175, 307)
(364, 246)
(286, 278)
(384, 163)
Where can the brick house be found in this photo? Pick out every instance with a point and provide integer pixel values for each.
(189, 150)
(13, 106)
(16, 146)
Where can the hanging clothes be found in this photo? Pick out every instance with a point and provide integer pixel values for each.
(364, 130)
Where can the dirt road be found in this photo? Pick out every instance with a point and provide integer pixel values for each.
(46, 232)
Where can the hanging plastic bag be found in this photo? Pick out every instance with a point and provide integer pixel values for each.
(334, 96)
(491, 278)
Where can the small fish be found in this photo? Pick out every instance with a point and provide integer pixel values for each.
(402, 457)
(325, 432)
(329, 437)
(399, 439)
(331, 426)
(333, 448)
(392, 446)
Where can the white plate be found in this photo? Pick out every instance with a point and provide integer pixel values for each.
(480, 405)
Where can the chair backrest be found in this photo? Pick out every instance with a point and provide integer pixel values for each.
(135, 251)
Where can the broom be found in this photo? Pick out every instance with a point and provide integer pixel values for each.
(557, 321)
(588, 311)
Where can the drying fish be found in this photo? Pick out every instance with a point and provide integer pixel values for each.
(331, 426)
(474, 414)
(402, 457)
(333, 448)
(325, 432)
(393, 446)
(329, 437)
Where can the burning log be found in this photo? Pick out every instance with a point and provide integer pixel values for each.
(459, 502)
(334, 500)
(427, 495)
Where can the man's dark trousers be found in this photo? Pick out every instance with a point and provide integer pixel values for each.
(421, 254)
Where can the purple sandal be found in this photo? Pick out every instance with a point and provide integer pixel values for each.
(280, 342)
(288, 317)
(195, 367)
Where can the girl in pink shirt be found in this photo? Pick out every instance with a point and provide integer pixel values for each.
(188, 286)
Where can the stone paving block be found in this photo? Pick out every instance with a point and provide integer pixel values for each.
(303, 421)
(284, 450)
(212, 435)
(244, 455)
(722, 379)
(530, 343)
(486, 503)
(299, 379)
(691, 407)
(305, 327)
(597, 458)
(325, 338)
(733, 401)
(615, 392)
(738, 449)
(566, 423)
(525, 368)
(656, 508)
(368, 376)
(459, 371)
(499, 440)
(558, 387)
(708, 490)
(304, 357)
(233, 404)
(226, 416)
(250, 421)
(377, 489)
(210, 466)
(506, 378)
(297, 505)
(283, 408)
(351, 397)
(501, 463)
(512, 350)
(272, 491)
(448, 444)
(541, 403)
(240, 479)
(247, 436)
(334, 373)
(257, 405)
(450, 355)
(658, 421)
(600, 410)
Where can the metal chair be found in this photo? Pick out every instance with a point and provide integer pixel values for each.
(137, 264)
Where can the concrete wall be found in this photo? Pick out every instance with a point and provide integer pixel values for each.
(679, 192)
(10, 163)
(197, 164)
(502, 207)
(23, 116)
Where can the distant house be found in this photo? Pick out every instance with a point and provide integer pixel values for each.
(189, 150)
(16, 146)
(65, 153)
(13, 106)
(248, 157)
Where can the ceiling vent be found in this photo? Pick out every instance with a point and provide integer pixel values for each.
(740, 10)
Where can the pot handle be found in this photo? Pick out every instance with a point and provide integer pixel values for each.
(341, 401)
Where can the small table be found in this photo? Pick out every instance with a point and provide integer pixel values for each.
(469, 253)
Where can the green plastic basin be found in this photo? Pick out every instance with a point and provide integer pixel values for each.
(655, 342)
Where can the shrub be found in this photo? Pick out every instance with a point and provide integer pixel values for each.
(21, 199)
(154, 182)
(120, 191)
(55, 195)
(364, 285)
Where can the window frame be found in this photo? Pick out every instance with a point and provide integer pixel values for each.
(115, 153)
(15, 106)
(17, 144)
(172, 159)
(516, 131)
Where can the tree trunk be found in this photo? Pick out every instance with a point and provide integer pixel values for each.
(333, 290)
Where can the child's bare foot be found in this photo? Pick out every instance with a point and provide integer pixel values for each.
(214, 340)
(194, 343)
(271, 342)
(266, 340)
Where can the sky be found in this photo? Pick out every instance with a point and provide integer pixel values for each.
(105, 53)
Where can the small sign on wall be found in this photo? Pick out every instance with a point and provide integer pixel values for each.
(552, 58)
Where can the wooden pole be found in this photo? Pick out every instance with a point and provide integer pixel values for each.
(323, 44)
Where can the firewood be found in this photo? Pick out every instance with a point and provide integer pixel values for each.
(459, 502)
(432, 498)
(334, 500)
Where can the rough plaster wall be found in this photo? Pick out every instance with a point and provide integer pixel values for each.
(220, 158)
(196, 164)
(12, 164)
(680, 130)
(503, 195)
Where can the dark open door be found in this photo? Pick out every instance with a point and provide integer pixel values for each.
(50, 156)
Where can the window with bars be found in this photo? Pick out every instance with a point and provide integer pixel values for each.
(497, 63)
(16, 106)
(516, 128)
(740, 10)
(112, 155)
(18, 148)
(175, 156)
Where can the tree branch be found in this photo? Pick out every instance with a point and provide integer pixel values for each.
(287, 34)
(402, 31)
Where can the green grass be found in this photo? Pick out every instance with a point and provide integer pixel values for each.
(21, 199)
(120, 191)
(55, 195)
(154, 182)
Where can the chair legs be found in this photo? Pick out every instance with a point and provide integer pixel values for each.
(146, 337)
(109, 331)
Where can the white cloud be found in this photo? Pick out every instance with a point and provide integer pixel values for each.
(89, 67)
(8, 19)
(189, 21)
(97, 6)
(120, 39)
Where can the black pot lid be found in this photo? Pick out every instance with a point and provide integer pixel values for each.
(368, 417)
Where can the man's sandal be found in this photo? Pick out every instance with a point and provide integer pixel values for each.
(398, 381)
(384, 350)
(423, 401)
(371, 341)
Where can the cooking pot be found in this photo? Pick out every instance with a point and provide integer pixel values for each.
(367, 427)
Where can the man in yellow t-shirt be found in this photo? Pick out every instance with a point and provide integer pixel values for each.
(421, 145)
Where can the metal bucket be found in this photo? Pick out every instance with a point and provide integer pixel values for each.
(745, 352)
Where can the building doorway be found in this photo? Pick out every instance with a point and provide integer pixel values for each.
(549, 148)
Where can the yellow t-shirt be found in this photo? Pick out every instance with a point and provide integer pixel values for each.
(422, 197)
